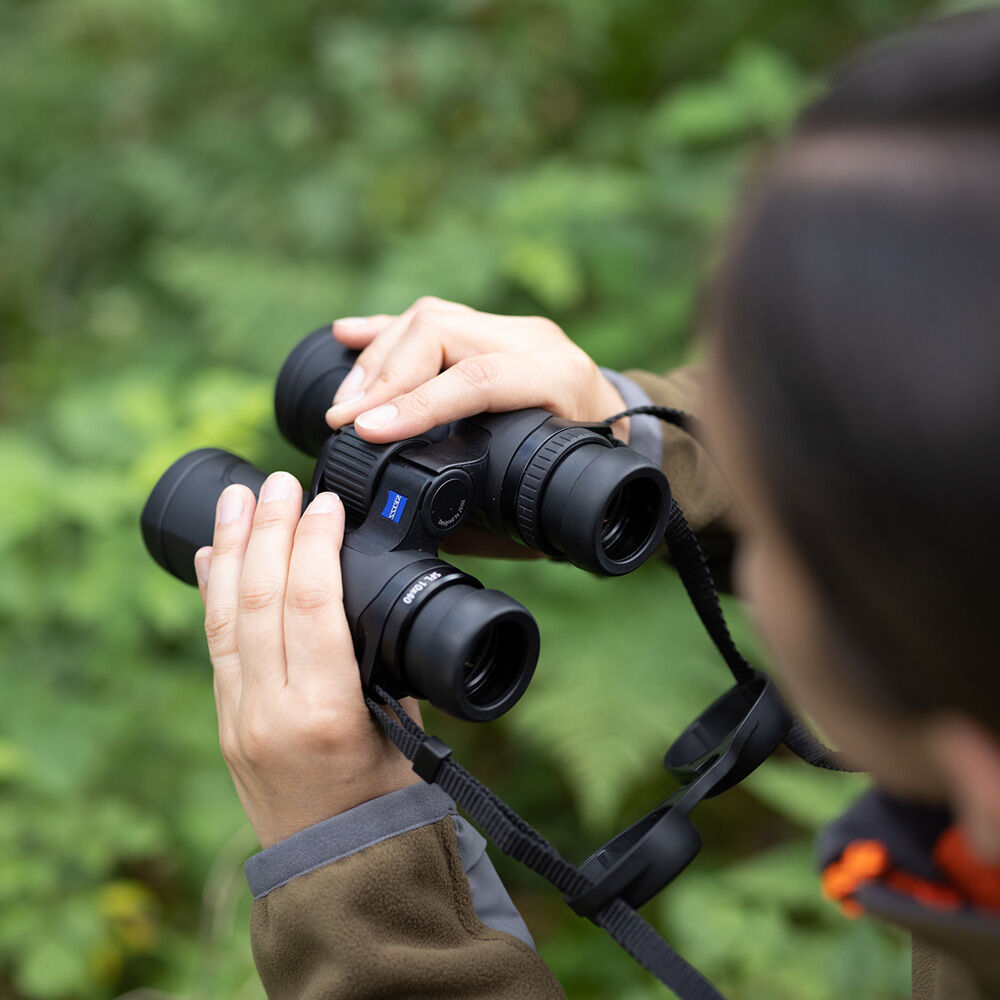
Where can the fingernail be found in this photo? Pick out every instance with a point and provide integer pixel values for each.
(342, 404)
(202, 561)
(378, 418)
(348, 390)
(324, 503)
(230, 505)
(276, 487)
(352, 322)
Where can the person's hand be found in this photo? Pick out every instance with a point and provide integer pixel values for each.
(440, 361)
(294, 729)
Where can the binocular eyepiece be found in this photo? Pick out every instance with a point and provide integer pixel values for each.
(420, 626)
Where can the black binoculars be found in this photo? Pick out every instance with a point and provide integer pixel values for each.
(421, 626)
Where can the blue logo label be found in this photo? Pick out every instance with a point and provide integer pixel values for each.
(394, 504)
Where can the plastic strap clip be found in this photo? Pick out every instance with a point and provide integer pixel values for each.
(430, 755)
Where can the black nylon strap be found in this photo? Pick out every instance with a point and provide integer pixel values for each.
(519, 840)
(807, 747)
(668, 414)
(693, 569)
(516, 838)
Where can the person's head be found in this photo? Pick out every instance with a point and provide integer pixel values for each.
(855, 405)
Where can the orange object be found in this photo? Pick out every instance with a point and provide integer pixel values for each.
(868, 860)
(978, 881)
(861, 861)
(942, 897)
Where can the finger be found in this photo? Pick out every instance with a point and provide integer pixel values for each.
(232, 529)
(262, 585)
(318, 647)
(202, 564)
(358, 331)
(434, 339)
(482, 384)
(371, 360)
(352, 389)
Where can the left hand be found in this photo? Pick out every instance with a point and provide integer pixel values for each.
(295, 732)
(439, 361)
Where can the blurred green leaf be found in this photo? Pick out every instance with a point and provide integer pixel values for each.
(807, 795)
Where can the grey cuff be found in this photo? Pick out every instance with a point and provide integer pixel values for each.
(645, 432)
(493, 905)
(337, 837)
(378, 820)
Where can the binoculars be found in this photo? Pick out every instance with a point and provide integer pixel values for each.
(420, 626)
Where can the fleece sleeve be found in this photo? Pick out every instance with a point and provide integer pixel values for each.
(377, 902)
(695, 481)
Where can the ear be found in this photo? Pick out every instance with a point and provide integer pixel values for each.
(968, 756)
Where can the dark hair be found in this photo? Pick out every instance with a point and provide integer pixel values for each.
(858, 319)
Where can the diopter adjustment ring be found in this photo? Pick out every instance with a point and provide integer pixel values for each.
(535, 475)
(350, 471)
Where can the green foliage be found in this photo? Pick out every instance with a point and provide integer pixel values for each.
(758, 928)
(186, 188)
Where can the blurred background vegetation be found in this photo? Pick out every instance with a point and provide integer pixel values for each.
(186, 188)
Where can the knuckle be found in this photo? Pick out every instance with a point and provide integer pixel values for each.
(226, 542)
(259, 594)
(310, 595)
(424, 320)
(580, 361)
(322, 730)
(479, 374)
(427, 302)
(219, 628)
(270, 516)
(419, 403)
(547, 327)
(387, 376)
(256, 740)
(229, 746)
(371, 356)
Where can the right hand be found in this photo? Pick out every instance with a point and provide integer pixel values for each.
(440, 361)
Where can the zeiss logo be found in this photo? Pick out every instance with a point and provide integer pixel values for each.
(394, 505)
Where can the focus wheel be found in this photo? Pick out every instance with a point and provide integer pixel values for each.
(536, 474)
(351, 466)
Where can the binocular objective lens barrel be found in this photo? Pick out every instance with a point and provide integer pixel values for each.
(179, 516)
(306, 385)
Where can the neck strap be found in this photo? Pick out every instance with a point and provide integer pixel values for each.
(727, 741)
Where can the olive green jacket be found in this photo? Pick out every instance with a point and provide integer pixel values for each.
(396, 899)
